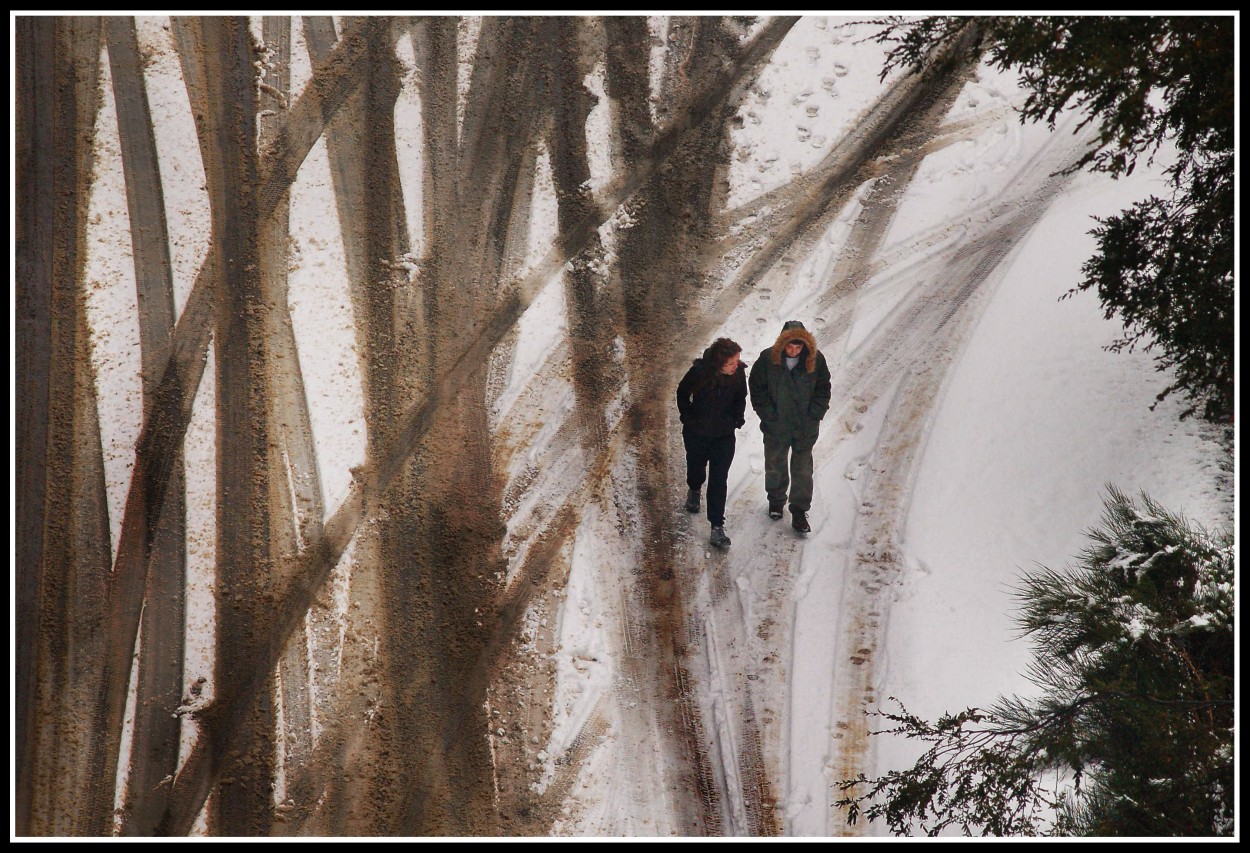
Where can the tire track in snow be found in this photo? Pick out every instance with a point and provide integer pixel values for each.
(167, 416)
(772, 235)
(512, 304)
(157, 728)
(930, 331)
(64, 782)
(746, 716)
(877, 364)
(561, 461)
(876, 542)
(844, 275)
(905, 124)
(656, 255)
(873, 366)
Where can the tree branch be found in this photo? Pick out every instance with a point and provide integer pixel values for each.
(313, 566)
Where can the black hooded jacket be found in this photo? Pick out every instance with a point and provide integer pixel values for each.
(712, 404)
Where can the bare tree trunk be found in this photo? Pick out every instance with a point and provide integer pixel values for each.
(63, 786)
(244, 588)
(154, 748)
(441, 550)
(363, 163)
(593, 310)
(35, 103)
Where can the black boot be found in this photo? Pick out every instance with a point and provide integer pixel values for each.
(775, 508)
(718, 538)
(692, 500)
(800, 521)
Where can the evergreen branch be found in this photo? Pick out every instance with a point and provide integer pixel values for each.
(1132, 709)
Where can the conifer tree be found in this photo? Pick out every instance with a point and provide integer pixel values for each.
(1131, 733)
(1165, 265)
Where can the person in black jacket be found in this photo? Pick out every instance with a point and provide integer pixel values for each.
(712, 399)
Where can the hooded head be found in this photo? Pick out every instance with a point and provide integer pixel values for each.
(795, 332)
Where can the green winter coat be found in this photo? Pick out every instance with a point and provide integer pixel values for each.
(791, 403)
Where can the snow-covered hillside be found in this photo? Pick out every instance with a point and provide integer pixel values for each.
(484, 609)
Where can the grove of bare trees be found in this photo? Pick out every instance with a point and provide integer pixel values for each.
(401, 682)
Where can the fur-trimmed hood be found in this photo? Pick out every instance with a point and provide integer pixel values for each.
(789, 336)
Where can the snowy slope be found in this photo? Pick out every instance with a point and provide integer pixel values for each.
(975, 420)
(1026, 419)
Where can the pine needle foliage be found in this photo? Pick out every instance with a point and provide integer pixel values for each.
(1131, 732)
(1165, 265)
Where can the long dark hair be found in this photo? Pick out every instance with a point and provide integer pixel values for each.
(721, 350)
(714, 358)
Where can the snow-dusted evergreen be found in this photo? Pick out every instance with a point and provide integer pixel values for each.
(1132, 732)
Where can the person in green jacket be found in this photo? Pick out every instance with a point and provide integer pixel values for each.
(790, 389)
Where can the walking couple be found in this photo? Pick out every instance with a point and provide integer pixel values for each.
(790, 389)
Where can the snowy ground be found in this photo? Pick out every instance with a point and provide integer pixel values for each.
(976, 419)
(1026, 422)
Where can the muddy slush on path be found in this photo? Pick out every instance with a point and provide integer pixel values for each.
(745, 607)
(709, 657)
(493, 480)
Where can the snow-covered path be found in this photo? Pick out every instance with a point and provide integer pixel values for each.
(791, 640)
(635, 681)
(830, 595)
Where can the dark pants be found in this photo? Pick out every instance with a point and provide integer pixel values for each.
(786, 467)
(709, 458)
